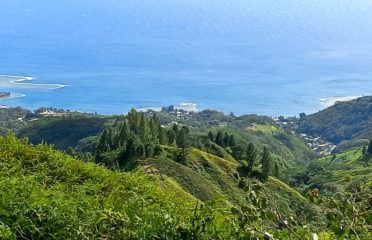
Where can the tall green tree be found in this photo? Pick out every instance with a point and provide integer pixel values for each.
(183, 141)
(162, 135)
(154, 127)
(251, 156)
(266, 164)
(123, 134)
(134, 121)
(211, 136)
(143, 128)
(219, 138)
(135, 136)
(172, 135)
(276, 170)
(111, 138)
(232, 142)
(226, 138)
(103, 145)
(133, 149)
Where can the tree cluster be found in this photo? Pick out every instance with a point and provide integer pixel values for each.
(138, 136)
(226, 141)
(251, 157)
(222, 139)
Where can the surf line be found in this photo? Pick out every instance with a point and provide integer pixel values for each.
(19, 81)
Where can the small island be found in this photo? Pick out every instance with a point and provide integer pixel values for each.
(4, 95)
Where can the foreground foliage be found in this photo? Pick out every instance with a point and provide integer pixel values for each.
(46, 194)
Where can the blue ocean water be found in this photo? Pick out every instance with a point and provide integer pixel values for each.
(273, 57)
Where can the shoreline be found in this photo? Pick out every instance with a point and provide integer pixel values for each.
(12, 81)
(15, 81)
(330, 101)
(185, 107)
(20, 81)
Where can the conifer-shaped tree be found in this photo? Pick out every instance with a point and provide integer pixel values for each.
(266, 164)
(183, 141)
(162, 135)
(143, 129)
(154, 127)
(211, 136)
(276, 170)
(226, 138)
(232, 142)
(134, 149)
(251, 156)
(133, 121)
(219, 138)
(172, 135)
(111, 138)
(103, 145)
(123, 135)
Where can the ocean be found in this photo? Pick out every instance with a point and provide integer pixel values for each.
(110, 56)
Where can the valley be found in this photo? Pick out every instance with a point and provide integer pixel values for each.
(255, 171)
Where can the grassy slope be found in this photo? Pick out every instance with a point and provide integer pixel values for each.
(81, 132)
(289, 150)
(49, 195)
(209, 177)
(340, 173)
(63, 132)
(341, 122)
(349, 167)
(259, 130)
(46, 194)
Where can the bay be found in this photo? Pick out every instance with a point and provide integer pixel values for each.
(240, 57)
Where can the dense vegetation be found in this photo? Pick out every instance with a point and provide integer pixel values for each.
(11, 119)
(135, 137)
(178, 175)
(47, 194)
(63, 132)
(341, 122)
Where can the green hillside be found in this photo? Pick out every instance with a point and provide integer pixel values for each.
(200, 175)
(285, 145)
(341, 122)
(343, 172)
(209, 177)
(49, 195)
(11, 119)
(346, 178)
(63, 132)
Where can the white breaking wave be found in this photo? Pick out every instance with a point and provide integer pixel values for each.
(18, 81)
(189, 107)
(330, 101)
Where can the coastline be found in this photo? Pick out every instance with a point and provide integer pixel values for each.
(13, 95)
(12, 81)
(330, 101)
